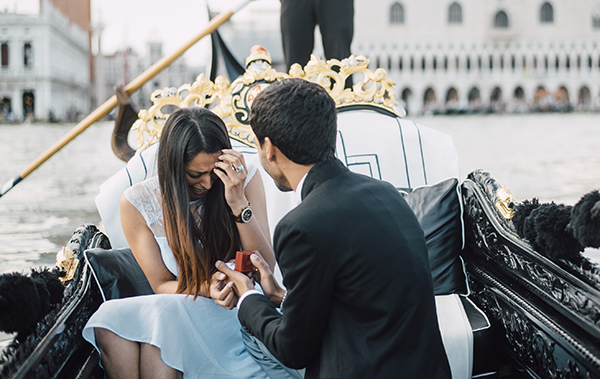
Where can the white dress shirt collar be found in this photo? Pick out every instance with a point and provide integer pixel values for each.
(298, 190)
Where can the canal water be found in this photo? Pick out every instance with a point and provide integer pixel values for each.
(555, 157)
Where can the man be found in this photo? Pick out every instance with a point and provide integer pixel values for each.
(298, 20)
(359, 301)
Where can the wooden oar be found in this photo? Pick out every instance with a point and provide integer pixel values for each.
(109, 104)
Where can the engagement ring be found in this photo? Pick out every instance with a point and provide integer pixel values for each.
(240, 169)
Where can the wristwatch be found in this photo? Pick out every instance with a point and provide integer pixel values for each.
(245, 215)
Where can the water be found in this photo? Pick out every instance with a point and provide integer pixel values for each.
(38, 216)
(555, 157)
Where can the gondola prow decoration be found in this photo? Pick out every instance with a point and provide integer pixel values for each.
(109, 104)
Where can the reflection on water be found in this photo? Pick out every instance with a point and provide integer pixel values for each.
(555, 157)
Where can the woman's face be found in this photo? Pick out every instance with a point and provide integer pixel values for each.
(199, 174)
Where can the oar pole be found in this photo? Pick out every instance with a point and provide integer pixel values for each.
(157, 67)
(109, 104)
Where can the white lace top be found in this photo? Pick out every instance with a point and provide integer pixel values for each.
(145, 196)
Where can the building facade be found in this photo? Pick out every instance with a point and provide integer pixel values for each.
(473, 55)
(45, 66)
(123, 66)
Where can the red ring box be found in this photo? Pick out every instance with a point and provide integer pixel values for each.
(242, 261)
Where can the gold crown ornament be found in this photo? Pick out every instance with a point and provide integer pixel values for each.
(232, 101)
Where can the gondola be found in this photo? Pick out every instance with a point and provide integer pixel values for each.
(505, 309)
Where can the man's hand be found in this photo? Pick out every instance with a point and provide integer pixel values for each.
(239, 282)
(222, 292)
(267, 281)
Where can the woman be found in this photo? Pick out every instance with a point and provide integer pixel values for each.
(204, 205)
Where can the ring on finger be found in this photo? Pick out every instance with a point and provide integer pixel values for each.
(240, 169)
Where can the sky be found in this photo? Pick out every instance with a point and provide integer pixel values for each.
(135, 22)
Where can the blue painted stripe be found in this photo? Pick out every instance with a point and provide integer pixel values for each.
(129, 176)
(421, 148)
(404, 153)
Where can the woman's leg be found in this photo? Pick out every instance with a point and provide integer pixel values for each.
(152, 365)
(120, 357)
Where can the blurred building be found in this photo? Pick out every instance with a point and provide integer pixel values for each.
(123, 66)
(473, 55)
(466, 55)
(45, 63)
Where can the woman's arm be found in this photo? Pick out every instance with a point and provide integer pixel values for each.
(255, 234)
(145, 249)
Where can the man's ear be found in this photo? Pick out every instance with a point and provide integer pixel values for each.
(270, 150)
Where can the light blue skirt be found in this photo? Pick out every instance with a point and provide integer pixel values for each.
(196, 337)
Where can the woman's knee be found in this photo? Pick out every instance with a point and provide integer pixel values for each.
(108, 341)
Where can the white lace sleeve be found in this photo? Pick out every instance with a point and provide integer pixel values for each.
(145, 197)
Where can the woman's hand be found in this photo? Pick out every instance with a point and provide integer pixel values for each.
(222, 292)
(231, 169)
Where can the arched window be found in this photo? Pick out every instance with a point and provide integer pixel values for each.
(406, 94)
(27, 55)
(546, 14)
(397, 14)
(519, 93)
(28, 103)
(429, 97)
(596, 19)
(562, 95)
(585, 98)
(501, 20)
(496, 95)
(451, 95)
(455, 14)
(4, 49)
(474, 95)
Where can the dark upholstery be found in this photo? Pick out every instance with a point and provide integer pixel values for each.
(439, 210)
(118, 273)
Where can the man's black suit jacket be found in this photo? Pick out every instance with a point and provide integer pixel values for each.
(360, 300)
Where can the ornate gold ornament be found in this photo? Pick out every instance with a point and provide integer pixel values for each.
(232, 101)
(66, 260)
(504, 202)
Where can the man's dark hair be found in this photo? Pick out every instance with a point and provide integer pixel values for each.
(299, 117)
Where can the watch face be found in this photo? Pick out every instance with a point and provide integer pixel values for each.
(247, 214)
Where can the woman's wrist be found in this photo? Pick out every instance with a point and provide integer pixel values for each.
(239, 206)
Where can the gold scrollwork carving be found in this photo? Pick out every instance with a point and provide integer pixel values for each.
(66, 260)
(504, 202)
(232, 101)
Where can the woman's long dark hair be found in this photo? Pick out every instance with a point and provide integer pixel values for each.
(196, 246)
